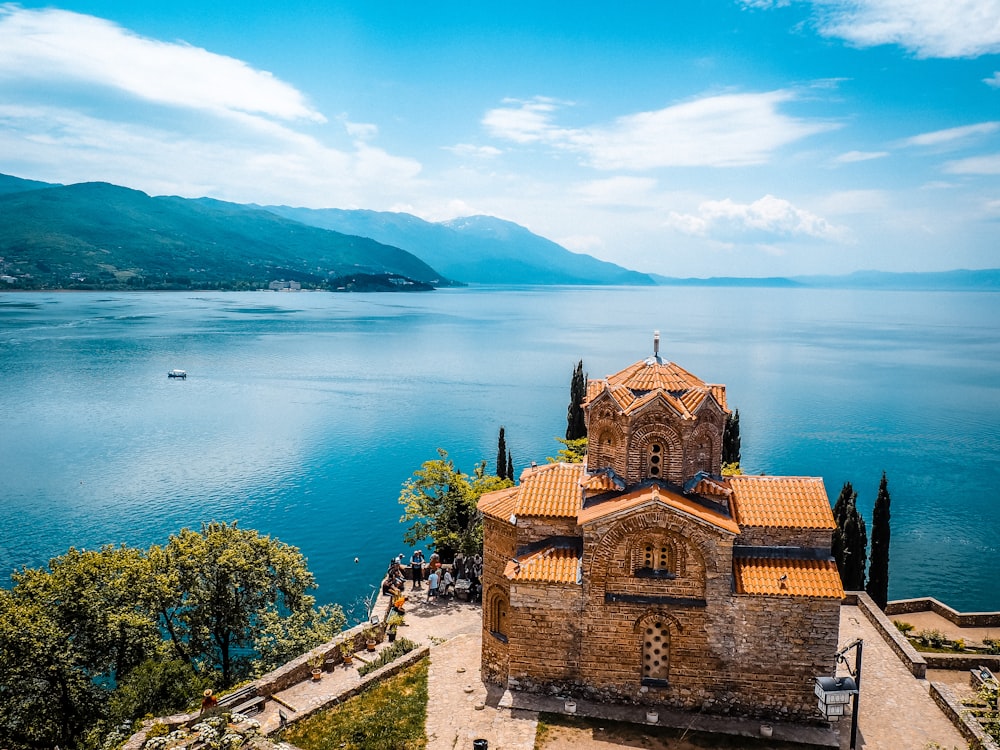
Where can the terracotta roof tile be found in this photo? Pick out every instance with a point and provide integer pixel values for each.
(548, 565)
(781, 502)
(650, 375)
(719, 393)
(551, 491)
(782, 577)
(655, 494)
(707, 485)
(499, 503)
(603, 481)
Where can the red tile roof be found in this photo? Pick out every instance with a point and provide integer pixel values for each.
(499, 504)
(644, 381)
(781, 502)
(653, 495)
(551, 491)
(547, 565)
(782, 577)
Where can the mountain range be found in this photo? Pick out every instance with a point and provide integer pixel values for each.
(100, 236)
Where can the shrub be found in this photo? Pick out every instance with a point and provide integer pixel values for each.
(388, 655)
(903, 627)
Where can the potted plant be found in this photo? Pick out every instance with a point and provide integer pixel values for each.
(370, 639)
(391, 624)
(317, 667)
(347, 651)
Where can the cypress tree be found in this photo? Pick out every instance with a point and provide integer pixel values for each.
(850, 539)
(731, 439)
(510, 466)
(878, 566)
(502, 455)
(576, 425)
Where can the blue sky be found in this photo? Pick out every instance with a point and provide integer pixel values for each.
(722, 137)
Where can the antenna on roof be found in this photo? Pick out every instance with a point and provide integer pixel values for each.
(656, 344)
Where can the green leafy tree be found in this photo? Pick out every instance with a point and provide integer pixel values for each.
(281, 638)
(100, 598)
(850, 539)
(157, 687)
(731, 439)
(48, 694)
(502, 455)
(878, 566)
(216, 587)
(572, 452)
(440, 504)
(576, 424)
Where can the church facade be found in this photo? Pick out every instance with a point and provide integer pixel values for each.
(643, 576)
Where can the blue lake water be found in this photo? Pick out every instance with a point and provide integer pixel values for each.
(303, 413)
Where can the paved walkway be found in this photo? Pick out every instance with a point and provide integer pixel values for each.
(897, 711)
(929, 620)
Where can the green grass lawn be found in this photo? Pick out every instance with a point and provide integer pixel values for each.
(388, 716)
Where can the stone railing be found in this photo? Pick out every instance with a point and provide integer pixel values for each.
(929, 604)
(911, 658)
(961, 718)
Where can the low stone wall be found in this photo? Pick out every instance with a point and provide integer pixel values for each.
(962, 661)
(930, 604)
(379, 674)
(910, 657)
(959, 716)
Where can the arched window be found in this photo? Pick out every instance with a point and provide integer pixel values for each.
(654, 557)
(655, 458)
(655, 653)
(497, 614)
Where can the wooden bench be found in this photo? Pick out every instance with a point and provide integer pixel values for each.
(250, 707)
(238, 696)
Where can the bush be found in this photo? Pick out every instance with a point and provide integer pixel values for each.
(903, 627)
(388, 655)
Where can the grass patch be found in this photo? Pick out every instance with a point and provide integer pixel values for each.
(390, 715)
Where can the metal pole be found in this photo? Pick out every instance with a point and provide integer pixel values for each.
(857, 698)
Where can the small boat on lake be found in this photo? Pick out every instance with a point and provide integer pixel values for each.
(182, 374)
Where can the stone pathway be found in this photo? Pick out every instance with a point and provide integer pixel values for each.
(897, 711)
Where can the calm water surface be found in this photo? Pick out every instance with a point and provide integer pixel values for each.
(303, 413)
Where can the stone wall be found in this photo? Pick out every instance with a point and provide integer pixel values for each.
(959, 716)
(775, 537)
(751, 656)
(929, 604)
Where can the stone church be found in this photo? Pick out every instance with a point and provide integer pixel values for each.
(643, 576)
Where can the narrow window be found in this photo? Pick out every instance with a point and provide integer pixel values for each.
(655, 458)
(498, 617)
(655, 654)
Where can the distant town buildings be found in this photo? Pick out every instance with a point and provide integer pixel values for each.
(645, 577)
(285, 286)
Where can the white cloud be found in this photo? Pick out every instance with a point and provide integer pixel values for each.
(251, 165)
(622, 190)
(854, 156)
(950, 135)
(989, 164)
(993, 80)
(467, 150)
(718, 131)
(929, 28)
(57, 45)
(764, 221)
(363, 131)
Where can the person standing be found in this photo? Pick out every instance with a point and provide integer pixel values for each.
(433, 582)
(417, 568)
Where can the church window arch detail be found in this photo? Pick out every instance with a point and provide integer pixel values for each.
(656, 557)
(654, 633)
(497, 613)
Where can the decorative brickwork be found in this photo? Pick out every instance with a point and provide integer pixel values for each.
(639, 599)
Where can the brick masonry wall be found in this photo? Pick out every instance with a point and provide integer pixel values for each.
(751, 656)
(757, 536)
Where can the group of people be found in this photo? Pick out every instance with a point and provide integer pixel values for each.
(442, 581)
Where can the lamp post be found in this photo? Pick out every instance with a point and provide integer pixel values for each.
(858, 645)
